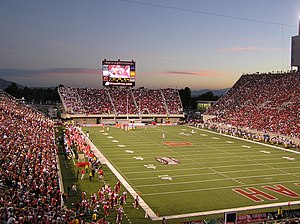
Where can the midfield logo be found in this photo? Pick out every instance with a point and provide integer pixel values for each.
(167, 160)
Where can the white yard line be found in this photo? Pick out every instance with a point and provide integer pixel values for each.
(250, 160)
(214, 188)
(209, 180)
(209, 173)
(215, 167)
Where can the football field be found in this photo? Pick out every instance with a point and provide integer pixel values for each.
(181, 171)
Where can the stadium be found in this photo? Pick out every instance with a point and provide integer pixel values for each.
(120, 154)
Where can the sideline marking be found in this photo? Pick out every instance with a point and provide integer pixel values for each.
(238, 209)
(128, 187)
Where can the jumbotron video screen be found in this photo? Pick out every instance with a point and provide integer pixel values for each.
(118, 73)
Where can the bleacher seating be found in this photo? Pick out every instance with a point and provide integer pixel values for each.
(263, 102)
(120, 101)
(29, 180)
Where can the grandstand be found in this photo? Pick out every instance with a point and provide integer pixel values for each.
(30, 187)
(112, 105)
(267, 103)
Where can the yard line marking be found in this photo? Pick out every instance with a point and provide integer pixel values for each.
(288, 158)
(203, 135)
(150, 166)
(209, 180)
(266, 152)
(215, 138)
(246, 146)
(208, 173)
(105, 133)
(184, 161)
(110, 137)
(212, 188)
(129, 151)
(200, 163)
(138, 158)
(115, 140)
(165, 177)
(263, 164)
(215, 167)
(122, 146)
(230, 142)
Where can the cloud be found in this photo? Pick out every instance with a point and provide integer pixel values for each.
(193, 73)
(249, 48)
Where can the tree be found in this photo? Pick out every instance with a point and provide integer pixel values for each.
(27, 93)
(13, 90)
(185, 96)
(208, 96)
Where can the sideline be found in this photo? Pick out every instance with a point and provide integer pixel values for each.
(128, 187)
(239, 209)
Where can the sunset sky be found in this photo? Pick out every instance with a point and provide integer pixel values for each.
(195, 43)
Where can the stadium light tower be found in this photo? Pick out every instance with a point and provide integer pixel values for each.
(295, 52)
(299, 25)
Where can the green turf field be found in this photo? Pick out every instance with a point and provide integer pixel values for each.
(211, 166)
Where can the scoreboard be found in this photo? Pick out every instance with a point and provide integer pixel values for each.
(118, 73)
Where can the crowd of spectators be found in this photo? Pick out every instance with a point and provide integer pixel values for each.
(120, 101)
(95, 101)
(108, 198)
(263, 102)
(29, 180)
(123, 101)
(150, 101)
(29, 176)
(173, 102)
(71, 100)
